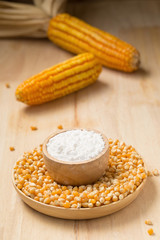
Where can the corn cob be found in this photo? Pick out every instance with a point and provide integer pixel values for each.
(59, 80)
(77, 36)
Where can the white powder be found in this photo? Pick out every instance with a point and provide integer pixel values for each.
(75, 145)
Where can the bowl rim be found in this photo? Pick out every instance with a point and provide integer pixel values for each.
(51, 158)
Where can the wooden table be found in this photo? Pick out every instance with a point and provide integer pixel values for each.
(124, 106)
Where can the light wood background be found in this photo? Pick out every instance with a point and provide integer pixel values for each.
(124, 106)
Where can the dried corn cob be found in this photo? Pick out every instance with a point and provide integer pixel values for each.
(77, 36)
(59, 80)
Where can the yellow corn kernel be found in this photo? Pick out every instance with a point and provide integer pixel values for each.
(64, 188)
(63, 196)
(115, 198)
(155, 172)
(81, 189)
(58, 191)
(150, 231)
(31, 190)
(12, 149)
(93, 201)
(90, 205)
(21, 180)
(7, 85)
(148, 222)
(33, 128)
(19, 186)
(47, 200)
(85, 205)
(67, 192)
(96, 197)
(36, 198)
(66, 205)
(75, 188)
(107, 198)
(27, 176)
(60, 127)
(75, 193)
(83, 200)
(143, 175)
(73, 202)
(60, 80)
(31, 168)
(19, 171)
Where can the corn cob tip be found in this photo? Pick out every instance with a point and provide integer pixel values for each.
(20, 94)
(135, 61)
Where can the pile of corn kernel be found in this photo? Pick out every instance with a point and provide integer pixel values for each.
(124, 174)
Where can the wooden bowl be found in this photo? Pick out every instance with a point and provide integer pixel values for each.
(82, 213)
(76, 173)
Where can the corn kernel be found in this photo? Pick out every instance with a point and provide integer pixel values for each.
(33, 128)
(19, 186)
(60, 127)
(66, 204)
(7, 85)
(12, 149)
(47, 200)
(150, 231)
(90, 205)
(155, 172)
(148, 222)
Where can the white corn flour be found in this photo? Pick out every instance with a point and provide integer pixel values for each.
(75, 145)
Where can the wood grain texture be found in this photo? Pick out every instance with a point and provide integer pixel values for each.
(124, 106)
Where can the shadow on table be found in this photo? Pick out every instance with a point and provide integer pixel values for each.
(139, 74)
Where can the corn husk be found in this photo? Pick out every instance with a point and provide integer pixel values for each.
(27, 20)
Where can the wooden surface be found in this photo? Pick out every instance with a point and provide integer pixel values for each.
(124, 106)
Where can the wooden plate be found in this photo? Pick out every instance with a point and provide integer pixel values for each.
(83, 213)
